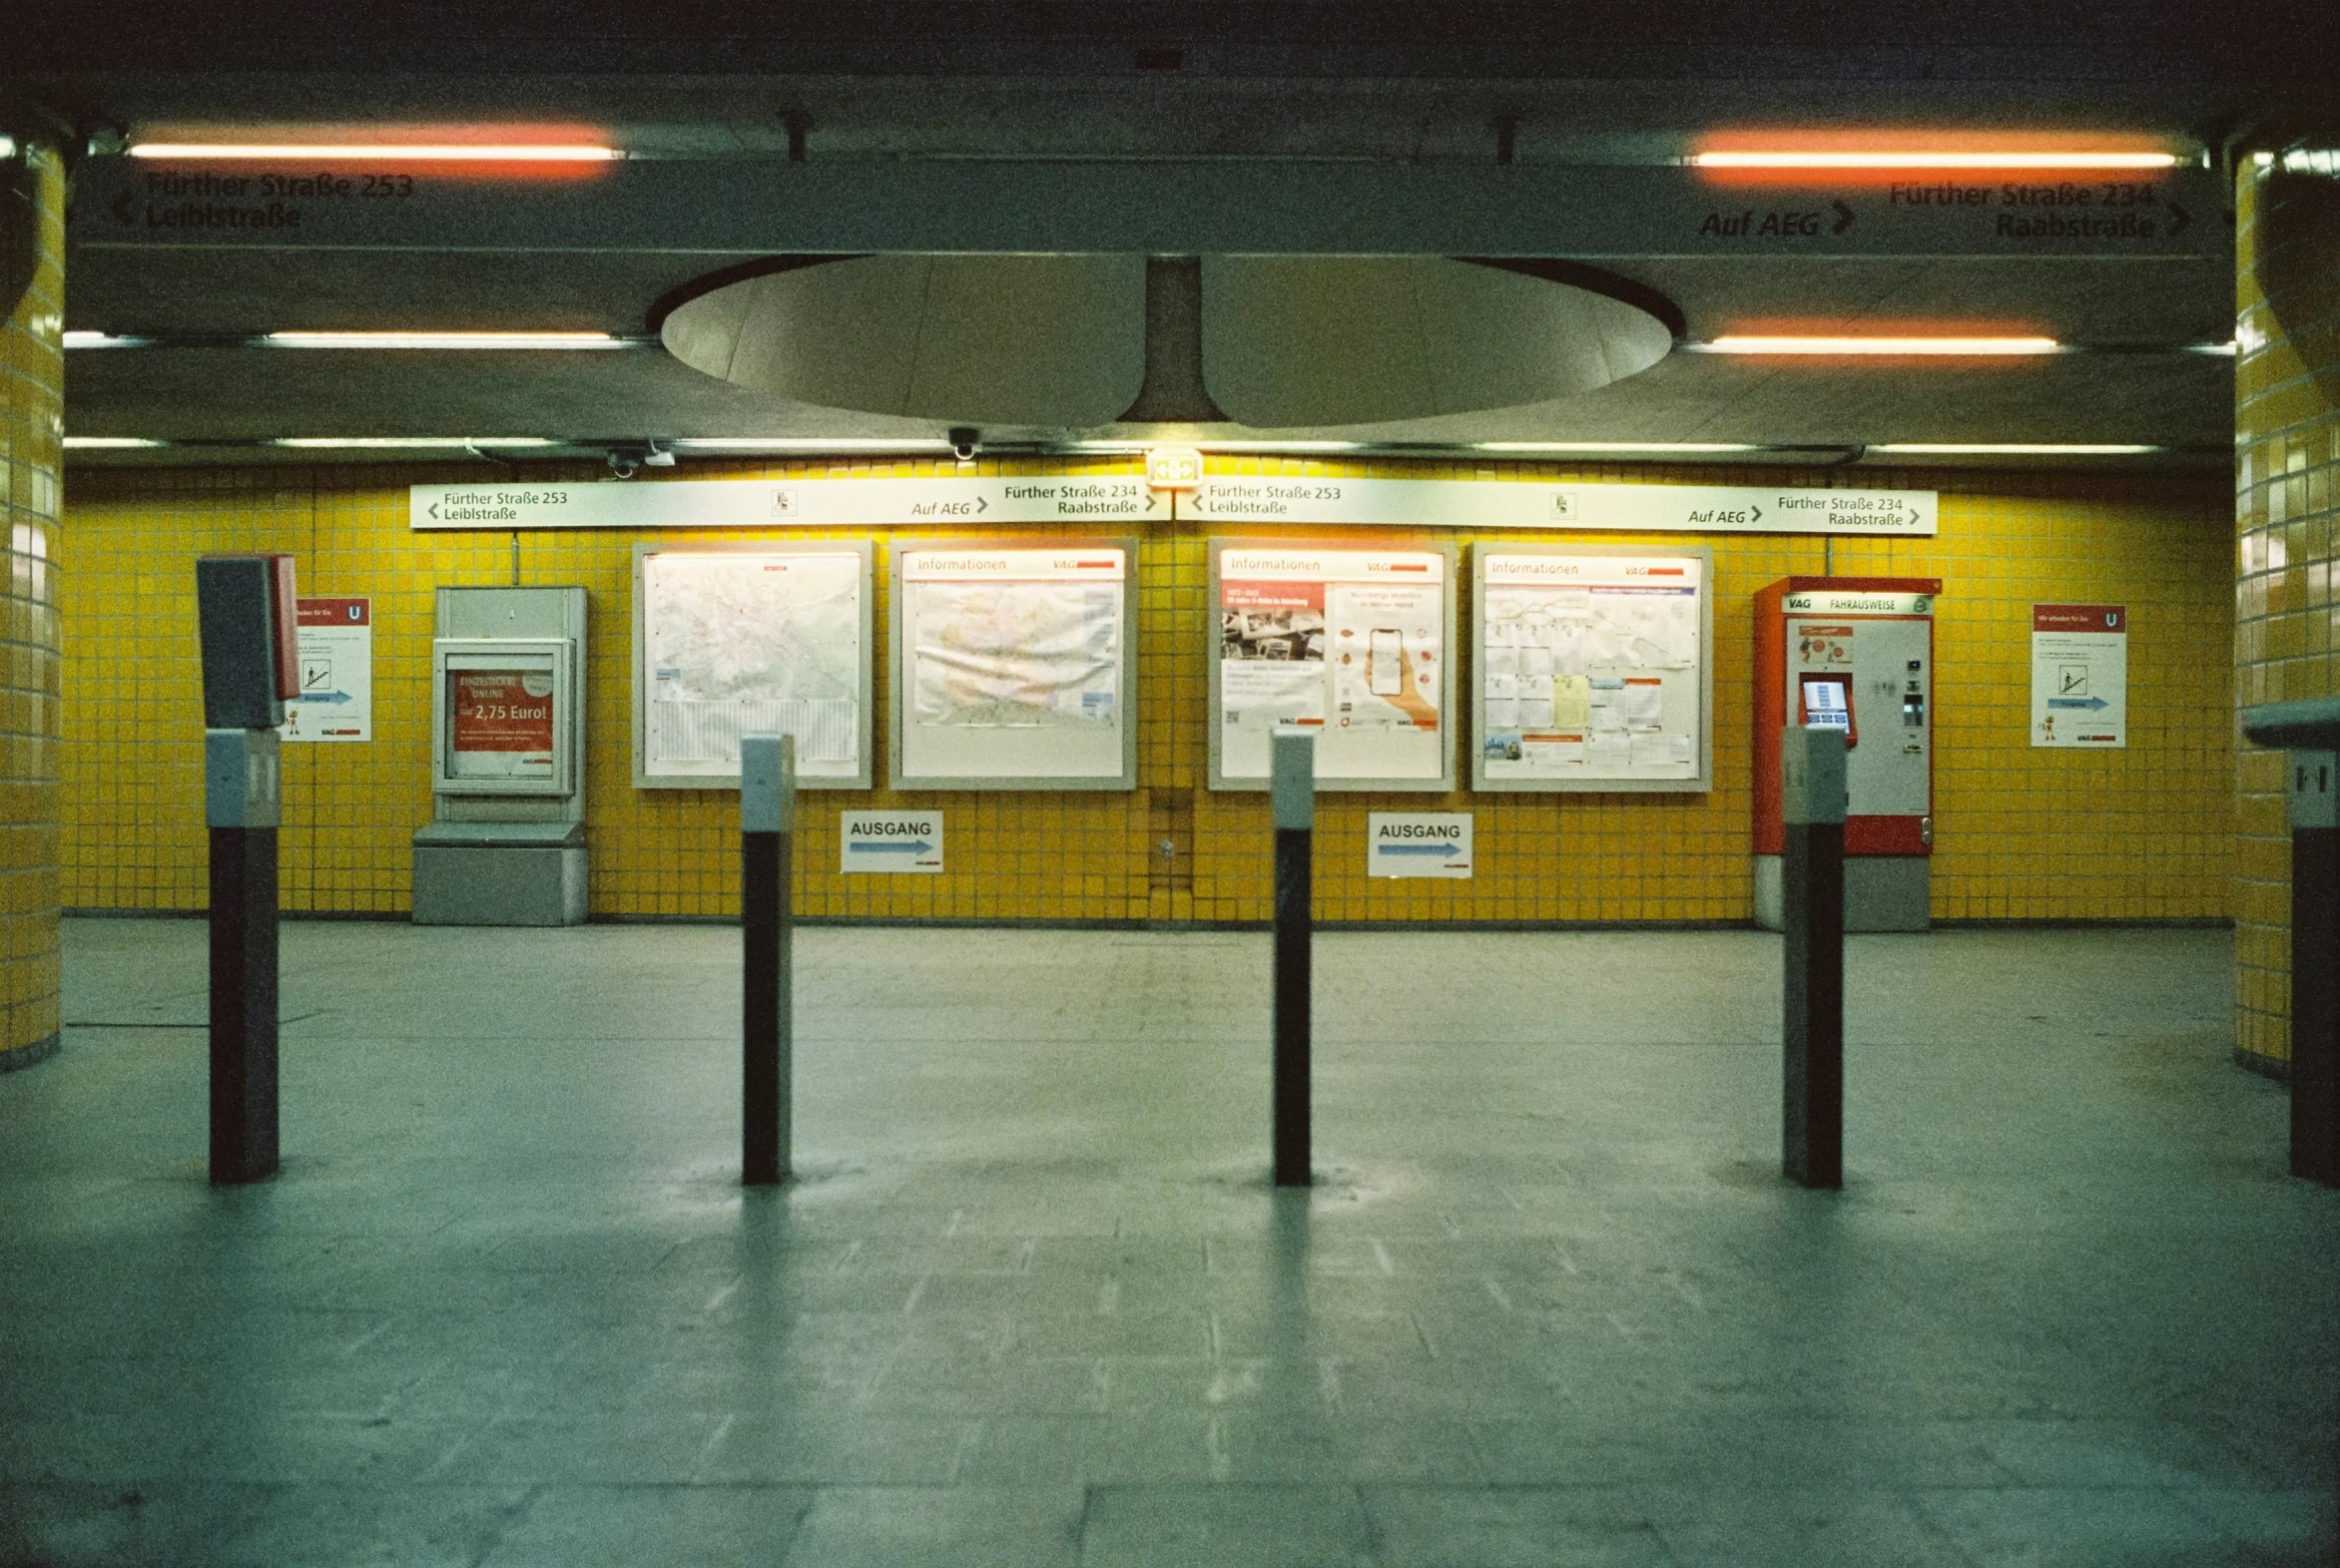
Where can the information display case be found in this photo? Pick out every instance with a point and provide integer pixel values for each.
(1593, 669)
(751, 639)
(1353, 644)
(1013, 664)
(504, 718)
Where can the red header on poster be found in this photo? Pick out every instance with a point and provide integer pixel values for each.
(502, 710)
(336, 611)
(1294, 594)
(2079, 618)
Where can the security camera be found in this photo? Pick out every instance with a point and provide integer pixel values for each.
(965, 442)
(625, 466)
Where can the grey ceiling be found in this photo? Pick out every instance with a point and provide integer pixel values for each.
(1085, 100)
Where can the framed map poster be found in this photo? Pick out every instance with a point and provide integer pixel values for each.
(733, 640)
(1014, 664)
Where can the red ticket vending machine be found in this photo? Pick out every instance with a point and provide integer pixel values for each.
(1854, 654)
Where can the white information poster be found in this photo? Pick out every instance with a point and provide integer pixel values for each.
(337, 673)
(755, 641)
(890, 843)
(1418, 843)
(2080, 675)
(1013, 666)
(1591, 669)
(1351, 643)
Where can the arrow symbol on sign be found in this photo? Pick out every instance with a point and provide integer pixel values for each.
(1151, 498)
(1756, 511)
(125, 208)
(2180, 220)
(1843, 218)
(2078, 702)
(917, 846)
(982, 506)
(433, 510)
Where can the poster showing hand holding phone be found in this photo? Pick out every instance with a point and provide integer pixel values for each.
(1593, 670)
(1353, 644)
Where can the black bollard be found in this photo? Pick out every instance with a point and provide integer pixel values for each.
(1812, 763)
(2315, 950)
(2309, 730)
(241, 791)
(1292, 798)
(767, 824)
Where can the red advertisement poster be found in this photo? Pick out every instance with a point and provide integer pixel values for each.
(504, 709)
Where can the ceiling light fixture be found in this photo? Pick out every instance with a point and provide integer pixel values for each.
(2012, 450)
(379, 152)
(1982, 157)
(715, 445)
(394, 442)
(78, 339)
(507, 340)
(107, 443)
(1615, 446)
(1985, 347)
(1281, 446)
(2224, 350)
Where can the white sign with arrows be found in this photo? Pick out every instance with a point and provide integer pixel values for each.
(1653, 508)
(782, 503)
(506, 506)
(896, 841)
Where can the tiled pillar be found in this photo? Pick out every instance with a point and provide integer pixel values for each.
(32, 427)
(2287, 558)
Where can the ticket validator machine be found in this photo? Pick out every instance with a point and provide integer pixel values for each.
(506, 843)
(1854, 654)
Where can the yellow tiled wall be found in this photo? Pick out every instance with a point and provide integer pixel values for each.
(2287, 453)
(2021, 834)
(32, 424)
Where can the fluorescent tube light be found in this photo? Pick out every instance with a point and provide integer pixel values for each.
(455, 443)
(1281, 446)
(2225, 351)
(103, 341)
(1985, 347)
(2012, 450)
(384, 152)
(1985, 159)
(107, 443)
(806, 443)
(442, 340)
(1615, 446)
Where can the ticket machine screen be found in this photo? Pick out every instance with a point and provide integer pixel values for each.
(1827, 704)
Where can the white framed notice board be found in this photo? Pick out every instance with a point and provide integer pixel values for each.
(1593, 669)
(751, 639)
(1014, 664)
(1355, 644)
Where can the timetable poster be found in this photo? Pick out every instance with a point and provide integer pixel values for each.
(1590, 669)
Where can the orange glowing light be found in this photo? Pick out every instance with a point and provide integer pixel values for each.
(1837, 157)
(492, 151)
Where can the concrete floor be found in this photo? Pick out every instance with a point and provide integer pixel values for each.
(1033, 1304)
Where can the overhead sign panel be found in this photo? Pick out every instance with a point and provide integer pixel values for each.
(1667, 508)
(782, 503)
(753, 207)
(508, 506)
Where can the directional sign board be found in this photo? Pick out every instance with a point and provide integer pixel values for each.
(753, 206)
(335, 704)
(1418, 843)
(1662, 508)
(889, 842)
(777, 503)
(2080, 675)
